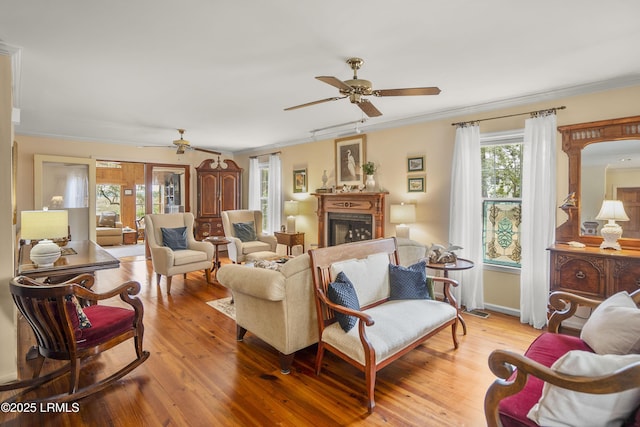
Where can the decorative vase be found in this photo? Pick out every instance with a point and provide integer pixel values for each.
(370, 184)
(45, 253)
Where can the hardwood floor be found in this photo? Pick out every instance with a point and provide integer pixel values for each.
(198, 375)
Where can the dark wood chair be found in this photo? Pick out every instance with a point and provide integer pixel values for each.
(59, 324)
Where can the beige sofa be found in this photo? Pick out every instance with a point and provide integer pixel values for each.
(278, 306)
(107, 234)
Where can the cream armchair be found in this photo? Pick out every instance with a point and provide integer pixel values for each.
(276, 306)
(168, 262)
(244, 244)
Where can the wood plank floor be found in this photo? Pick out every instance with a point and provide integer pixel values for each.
(198, 375)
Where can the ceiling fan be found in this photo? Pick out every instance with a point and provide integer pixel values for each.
(184, 145)
(355, 89)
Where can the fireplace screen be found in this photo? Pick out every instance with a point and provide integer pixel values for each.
(347, 227)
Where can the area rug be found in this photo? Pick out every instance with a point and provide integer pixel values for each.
(225, 306)
(122, 251)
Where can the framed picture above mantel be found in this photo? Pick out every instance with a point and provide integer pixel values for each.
(350, 155)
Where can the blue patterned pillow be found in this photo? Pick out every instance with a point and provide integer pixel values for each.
(245, 231)
(174, 238)
(409, 282)
(343, 293)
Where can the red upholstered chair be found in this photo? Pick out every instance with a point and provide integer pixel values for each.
(62, 332)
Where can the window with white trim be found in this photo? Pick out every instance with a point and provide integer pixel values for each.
(501, 160)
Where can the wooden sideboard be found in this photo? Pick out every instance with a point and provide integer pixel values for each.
(594, 272)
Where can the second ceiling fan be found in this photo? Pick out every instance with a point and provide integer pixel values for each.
(184, 145)
(356, 89)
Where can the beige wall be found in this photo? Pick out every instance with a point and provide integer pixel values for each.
(389, 148)
(7, 229)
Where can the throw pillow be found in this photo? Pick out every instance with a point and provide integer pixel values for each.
(245, 231)
(107, 219)
(408, 282)
(83, 320)
(561, 407)
(343, 293)
(174, 238)
(614, 326)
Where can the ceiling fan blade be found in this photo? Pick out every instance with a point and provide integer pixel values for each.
(204, 150)
(369, 109)
(335, 98)
(335, 82)
(407, 92)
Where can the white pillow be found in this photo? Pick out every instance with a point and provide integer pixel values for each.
(559, 407)
(370, 276)
(614, 326)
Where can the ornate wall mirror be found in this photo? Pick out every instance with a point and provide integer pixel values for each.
(604, 163)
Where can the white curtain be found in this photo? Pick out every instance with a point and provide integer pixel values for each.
(254, 184)
(466, 215)
(537, 230)
(274, 219)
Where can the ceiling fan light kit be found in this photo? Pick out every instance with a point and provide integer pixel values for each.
(356, 88)
(184, 145)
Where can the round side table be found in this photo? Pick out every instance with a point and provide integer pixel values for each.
(216, 242)
(460, 264)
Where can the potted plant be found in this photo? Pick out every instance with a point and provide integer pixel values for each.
(369, 168)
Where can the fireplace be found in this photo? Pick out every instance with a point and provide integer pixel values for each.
(349, 217)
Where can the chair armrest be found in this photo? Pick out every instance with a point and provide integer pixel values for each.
(271, 240)
(361, 315)
(564, 305)
(446, 289)
(234, 248)
(503, 363)
(202, 247)
(125, 291)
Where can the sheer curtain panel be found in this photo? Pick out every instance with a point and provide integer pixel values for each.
(466, 214)
(254, 184)
(538, 216)
(275, 194)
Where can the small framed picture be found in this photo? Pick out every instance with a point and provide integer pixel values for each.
(416, 184)
(415, 164)
(300, 181)
(128, 192)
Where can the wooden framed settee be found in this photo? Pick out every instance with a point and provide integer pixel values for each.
(587, 380)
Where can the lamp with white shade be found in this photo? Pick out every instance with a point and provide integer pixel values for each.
(40, 227)
(611, 211)
(402, 215)
(291, 210)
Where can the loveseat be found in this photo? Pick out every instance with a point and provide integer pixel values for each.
(568, 380)
(108, 229)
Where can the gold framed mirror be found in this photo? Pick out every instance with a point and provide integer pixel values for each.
(584, 145)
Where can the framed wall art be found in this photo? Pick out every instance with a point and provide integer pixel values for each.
(415, 164)
(349, 159)
(300, 181)
(416, 184)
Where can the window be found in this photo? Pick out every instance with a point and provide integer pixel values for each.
(108, 198)
(502, 198)
(264, 193)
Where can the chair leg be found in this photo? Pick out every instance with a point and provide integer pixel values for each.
(169, 284)
(285, 362)
(240, 331)
(207, 273)
(454, 333)
(158, 277)
(370, 375)
(319, 356)
(74, 378)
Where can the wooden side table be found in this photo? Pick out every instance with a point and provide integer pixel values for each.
(290, 240)
(460, 264)
(216, 242)
(129, 237)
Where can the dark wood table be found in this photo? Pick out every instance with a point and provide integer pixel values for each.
(460, 264)
(290, 240)
(217, 241)
(82, 256)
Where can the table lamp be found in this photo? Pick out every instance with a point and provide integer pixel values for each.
(40, 227)
(402, 215)
(612, 211)
(291, 210)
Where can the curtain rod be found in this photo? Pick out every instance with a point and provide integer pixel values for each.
(266, 154)
(533, 113)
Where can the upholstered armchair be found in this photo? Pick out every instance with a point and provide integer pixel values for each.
(173, 248)
(244, 229)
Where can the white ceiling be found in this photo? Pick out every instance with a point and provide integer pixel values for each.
(132, 72)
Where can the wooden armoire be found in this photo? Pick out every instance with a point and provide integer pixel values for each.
(219, 186)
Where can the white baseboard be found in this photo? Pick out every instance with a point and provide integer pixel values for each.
(504, 310)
